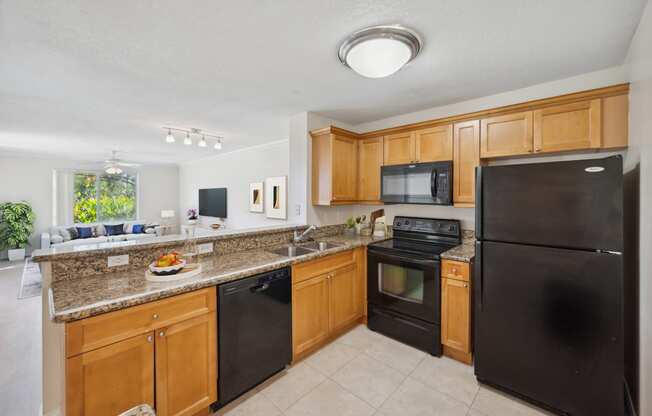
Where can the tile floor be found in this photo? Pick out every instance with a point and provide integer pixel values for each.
(364, 373)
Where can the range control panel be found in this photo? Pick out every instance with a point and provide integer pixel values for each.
(434, 226)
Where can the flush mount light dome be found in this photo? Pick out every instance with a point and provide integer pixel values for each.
(379, 51)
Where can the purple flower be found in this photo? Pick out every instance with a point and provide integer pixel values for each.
(192, 214)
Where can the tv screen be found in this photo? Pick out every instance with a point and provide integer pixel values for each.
(212, 202)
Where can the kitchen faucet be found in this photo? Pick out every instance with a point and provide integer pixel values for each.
(298, 238)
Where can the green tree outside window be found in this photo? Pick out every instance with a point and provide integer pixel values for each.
(104, 197)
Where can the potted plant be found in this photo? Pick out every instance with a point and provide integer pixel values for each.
(16, 226)
(359, 223)
(192, 216)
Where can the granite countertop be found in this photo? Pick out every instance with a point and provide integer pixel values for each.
(116, 247)
(463, 252)
(79, 298)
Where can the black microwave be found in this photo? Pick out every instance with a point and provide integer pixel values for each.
(417, 183)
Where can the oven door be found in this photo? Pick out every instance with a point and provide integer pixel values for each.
(404, 284)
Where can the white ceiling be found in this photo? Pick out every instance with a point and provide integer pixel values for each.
(82, 77)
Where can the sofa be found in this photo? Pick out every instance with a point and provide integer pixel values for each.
(63, 236)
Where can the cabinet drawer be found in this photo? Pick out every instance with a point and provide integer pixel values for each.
(309, 269)
(98, 331)
(457, 270)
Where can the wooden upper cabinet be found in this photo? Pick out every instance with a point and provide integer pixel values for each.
(370, 159)
(334, 167)
(466, 157)
(344, 168)
(399, 148)
(111, 379)
(571, 126)
(434, 144)
(508, 135)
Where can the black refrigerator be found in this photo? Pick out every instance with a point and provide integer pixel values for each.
(548, 291)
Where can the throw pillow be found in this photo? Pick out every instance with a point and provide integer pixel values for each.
(137, 228)
(99, 231)
(56, 239)
(73, 233)
(85, 232)
(63, 232)
(117, 229)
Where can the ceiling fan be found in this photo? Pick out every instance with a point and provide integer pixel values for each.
(113, 165)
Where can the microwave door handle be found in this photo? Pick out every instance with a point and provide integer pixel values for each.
(433, 183)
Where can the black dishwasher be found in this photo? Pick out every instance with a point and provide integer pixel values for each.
(255, 331)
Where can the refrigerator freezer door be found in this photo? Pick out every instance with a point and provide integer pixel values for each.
(548, 326)
(574, 204)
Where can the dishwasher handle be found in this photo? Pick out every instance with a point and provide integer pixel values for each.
(259, 288)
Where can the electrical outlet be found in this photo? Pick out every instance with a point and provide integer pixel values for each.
(297, 209)
(118, 260)
(205, 248)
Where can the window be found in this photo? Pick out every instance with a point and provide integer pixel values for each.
(103, 197)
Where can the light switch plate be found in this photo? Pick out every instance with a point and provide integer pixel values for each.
(118, 260)
(205, 248)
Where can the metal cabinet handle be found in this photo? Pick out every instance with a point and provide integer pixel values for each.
(150, 338)
(465, 285)
(155, 316)
(161, 334)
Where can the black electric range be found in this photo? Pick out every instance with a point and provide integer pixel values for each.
(403, 280)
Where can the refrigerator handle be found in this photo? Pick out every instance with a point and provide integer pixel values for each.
(478, 202)
(477, 273)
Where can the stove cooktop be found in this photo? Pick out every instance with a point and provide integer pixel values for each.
(402, 245)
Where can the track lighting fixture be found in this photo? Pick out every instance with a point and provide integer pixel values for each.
(169, 138)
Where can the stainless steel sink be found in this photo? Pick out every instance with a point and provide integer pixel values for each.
(320, 245)
(291, 251)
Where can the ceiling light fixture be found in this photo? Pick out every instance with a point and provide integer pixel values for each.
(380, 51)
(113, 170)
(202, 142)
(169, 138)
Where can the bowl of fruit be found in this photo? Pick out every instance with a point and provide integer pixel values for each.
(168, 264)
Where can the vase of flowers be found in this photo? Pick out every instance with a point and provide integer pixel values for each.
(192, 216)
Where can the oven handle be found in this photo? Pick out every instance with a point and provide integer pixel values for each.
(431, 263)
(401, 320)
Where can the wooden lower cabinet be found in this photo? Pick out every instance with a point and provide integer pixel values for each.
(186, 371)
(111, 379)
(456, 311)
(171, 365)
(325, 305)
(310, 313)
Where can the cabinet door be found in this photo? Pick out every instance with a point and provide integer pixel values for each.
(110, 380)
(508, 135)
(186, 366)
(434, 144)
(399, 148)
(344, 168)
(456, 314)
(310, 307)
(345, 300)
(370, 160)
(466, 157)
(568, 127)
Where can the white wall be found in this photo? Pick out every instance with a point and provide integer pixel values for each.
(235, 171)
(639, 65)
(29, 177)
